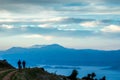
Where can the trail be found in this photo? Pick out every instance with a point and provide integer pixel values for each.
(9, 75)
(4, 71)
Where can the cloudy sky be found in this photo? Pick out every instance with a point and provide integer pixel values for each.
(81, 24)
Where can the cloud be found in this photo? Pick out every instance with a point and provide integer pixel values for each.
(5, 13)
(111, 28)
(4, 26)
(59, 26)
(112, 1)
(32, 36)
(53, 20)
(47, 32)
(48, 8)
(105, 19)
(41, 1)
(45, 25)
(64, 19)
(90, 24)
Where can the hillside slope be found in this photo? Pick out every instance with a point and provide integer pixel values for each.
(10, 73)
(5, 65)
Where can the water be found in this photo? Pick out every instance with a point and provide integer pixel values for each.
(83, 71)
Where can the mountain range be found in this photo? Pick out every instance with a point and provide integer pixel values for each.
(55, 54)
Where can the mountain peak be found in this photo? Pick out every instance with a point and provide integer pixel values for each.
(54, 46)
(37, 46)
(15, 48)
(50, 46)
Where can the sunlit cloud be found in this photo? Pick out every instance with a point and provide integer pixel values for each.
(90, 24)
(45, 26)
(111, 28)
(6, 26)
(33, 36)
(68, 29)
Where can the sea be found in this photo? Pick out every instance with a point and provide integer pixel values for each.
(83, 71)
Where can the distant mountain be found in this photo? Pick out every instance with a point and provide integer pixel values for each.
(37, 46)
(58, 55)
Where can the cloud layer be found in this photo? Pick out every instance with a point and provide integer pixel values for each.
(48, 8)
(61, 21)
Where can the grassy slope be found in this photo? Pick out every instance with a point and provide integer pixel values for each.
(25, 74)
(35, 74)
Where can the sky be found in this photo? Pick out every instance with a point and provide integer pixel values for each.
(80, 24)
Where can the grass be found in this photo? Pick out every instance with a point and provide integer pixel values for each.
(30, 74)
(18, 76)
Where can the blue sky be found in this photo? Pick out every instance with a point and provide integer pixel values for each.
(81, 24)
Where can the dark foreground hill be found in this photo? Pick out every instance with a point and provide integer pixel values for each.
(5, 65)
(57, 55)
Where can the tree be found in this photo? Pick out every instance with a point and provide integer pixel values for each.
(73, 75)
(93, 75)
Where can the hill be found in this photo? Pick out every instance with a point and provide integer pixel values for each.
(5, 65)
(57, 55)
(8, 72)
(34, 74)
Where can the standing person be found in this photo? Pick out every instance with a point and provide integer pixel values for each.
(19, 65)
(24, 64)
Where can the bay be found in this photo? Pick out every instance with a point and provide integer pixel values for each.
(83, 71)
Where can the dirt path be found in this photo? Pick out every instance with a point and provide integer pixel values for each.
(9, 75)
(5, 71)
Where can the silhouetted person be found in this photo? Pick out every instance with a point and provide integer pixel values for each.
(19, 65)
(24, 64)
(73, 76)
